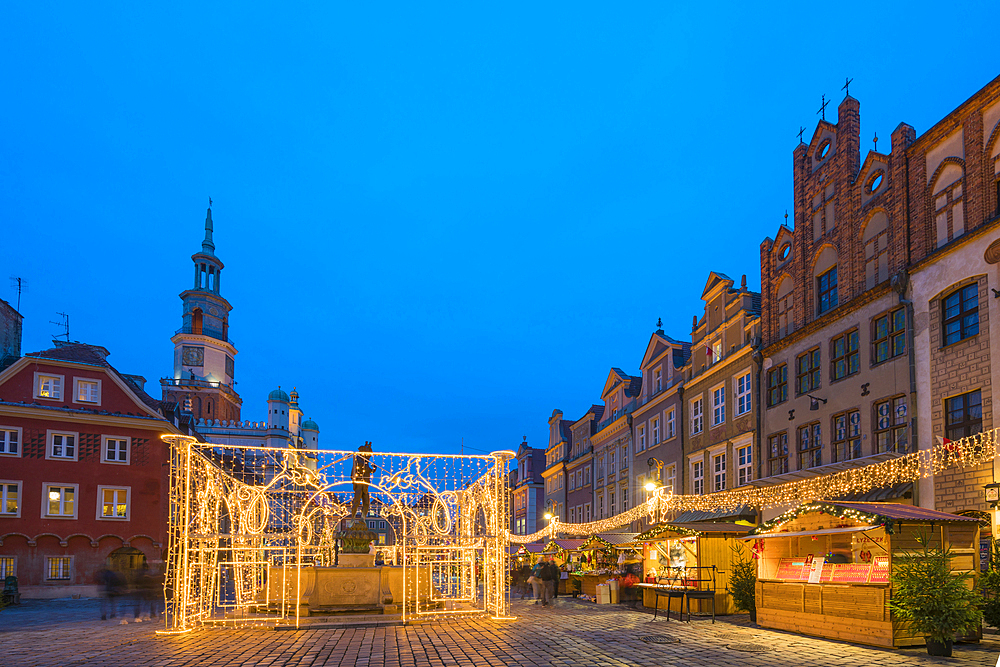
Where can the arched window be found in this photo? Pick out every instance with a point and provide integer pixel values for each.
(196, 321)
(786, 302)
(825, 272)
(876, 249)
(949, 214)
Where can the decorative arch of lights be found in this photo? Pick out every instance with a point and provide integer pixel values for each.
(250, 528)
(661, 506)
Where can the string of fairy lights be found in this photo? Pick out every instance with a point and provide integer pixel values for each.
(969, 452)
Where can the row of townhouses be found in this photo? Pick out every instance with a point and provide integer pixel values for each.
(870, 338)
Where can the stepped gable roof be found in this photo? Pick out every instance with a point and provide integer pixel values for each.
(94, 355)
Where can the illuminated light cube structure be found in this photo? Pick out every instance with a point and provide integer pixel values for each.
(253, 535)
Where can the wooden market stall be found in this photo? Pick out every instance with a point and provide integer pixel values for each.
(824, 568)
(673, 554)
(599, 557)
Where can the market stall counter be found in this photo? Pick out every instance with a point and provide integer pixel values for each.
(602, 557)
(677, 558)
(824, 568)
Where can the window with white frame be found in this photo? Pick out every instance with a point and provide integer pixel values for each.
(719, 405)
(656, 430)
(624, 459)
(611, 503)
(114, 502)
(719, 472)
(10, 441)
(640, 432)
(87, 391)
(671, 424)
(744, 465)
(742, 391)
(640, 483)
(8, 566)
(10, 498)
(57, 568)
(60, 500)
(657, 380)
(600, 467)
(115, 449)
(62, 445)
(48, 386)
(572, 515)
(611, 463)
(697, 416)
(670, 480)
(586, 513)
(624, 495)
(698, 477)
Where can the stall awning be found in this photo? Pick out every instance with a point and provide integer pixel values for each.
(806, 533)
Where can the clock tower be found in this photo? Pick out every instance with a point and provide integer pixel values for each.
(204, 357)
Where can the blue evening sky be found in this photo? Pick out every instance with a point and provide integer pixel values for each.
(438, 221)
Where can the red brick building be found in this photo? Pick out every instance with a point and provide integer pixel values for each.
(83, 471)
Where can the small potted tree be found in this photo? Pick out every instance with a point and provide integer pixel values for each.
(742, 584)
(934, 601)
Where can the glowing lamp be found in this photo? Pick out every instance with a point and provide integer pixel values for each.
(650, 486)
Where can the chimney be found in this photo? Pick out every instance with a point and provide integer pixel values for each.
(10, 334)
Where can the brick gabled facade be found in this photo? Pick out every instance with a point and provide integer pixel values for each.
(83, 471)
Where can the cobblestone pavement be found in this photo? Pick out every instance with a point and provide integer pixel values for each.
(567, 634)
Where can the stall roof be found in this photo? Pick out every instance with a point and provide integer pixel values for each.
(900, 512)
(605, 540)
(532, 548)
(883, 514)
(568, 545)
(805, 533)
(691, 528)
(702, 515)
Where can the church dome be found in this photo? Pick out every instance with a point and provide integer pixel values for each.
(278, 395)
(310, 425)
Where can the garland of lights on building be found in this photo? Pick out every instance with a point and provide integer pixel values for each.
(975, 450)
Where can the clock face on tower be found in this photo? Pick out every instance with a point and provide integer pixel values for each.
(193, 355)
(214, 311)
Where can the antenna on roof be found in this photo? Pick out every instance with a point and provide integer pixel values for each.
(22, 286)
(64, 324)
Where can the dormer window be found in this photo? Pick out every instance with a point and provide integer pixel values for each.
(657, 380)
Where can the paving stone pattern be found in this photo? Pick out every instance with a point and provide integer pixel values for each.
(569, 633)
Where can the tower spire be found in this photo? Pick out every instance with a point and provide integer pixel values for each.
(208, 246)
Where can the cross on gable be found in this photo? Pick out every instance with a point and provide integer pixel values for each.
(845, 88)
(801, 130)
(822, 108)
